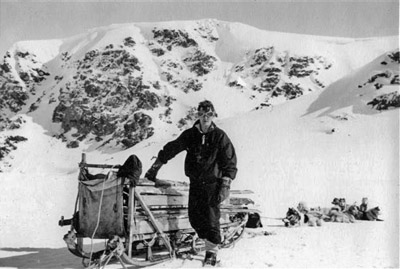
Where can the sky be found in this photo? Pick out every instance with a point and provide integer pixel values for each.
(35, 20)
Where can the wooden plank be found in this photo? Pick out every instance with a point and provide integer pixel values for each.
(149, 190)
(241, 192)
(165, 200)
(168, 223)
(154, 222)
(110, 166)
(131, 222)
(173, 201)
(184, 212)
(240, 201)
(148, 187)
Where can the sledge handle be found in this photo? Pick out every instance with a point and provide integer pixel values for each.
(83, 163)
(83, 160)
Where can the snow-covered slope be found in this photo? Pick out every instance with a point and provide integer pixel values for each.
(116, 86)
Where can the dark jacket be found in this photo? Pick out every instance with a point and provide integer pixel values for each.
(209, 156)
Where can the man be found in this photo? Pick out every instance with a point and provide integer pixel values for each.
(210, 165)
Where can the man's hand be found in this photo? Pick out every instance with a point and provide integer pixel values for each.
(151, 174)
(224, 189)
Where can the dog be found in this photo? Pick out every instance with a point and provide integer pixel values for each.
(342, 217)
(295, 218)
(369, 215)
(354, 210)
(254, 221)
(292, 218)
(373, 213)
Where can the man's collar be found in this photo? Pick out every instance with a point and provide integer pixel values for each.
(198, 126)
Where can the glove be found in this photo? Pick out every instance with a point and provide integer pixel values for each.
(152, 172)
(224, 189)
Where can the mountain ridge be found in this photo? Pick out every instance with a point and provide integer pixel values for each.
(119, 85)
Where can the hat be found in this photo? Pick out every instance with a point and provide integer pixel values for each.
(206, 106)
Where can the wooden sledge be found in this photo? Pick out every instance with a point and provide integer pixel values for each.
(144, 224)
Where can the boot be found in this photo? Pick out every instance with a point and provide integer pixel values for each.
(210, 259)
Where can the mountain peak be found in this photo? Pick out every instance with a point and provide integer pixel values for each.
(118, 85)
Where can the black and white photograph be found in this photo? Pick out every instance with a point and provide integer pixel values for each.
(190, 134)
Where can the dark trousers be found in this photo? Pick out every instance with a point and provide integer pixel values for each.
(204, 212)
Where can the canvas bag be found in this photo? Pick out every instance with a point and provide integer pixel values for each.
(111, 210)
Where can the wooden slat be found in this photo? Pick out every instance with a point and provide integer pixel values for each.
(184, 212)
(154, 223)
(131, 222)
(88, 165)
(168, 223)
(149, 189)
(152, 200)
(166, 200)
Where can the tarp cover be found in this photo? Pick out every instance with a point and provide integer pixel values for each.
(111, 210)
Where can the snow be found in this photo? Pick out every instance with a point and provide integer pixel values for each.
(286, 154)
(284, 157)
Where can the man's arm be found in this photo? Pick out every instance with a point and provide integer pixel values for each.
(227, 159)
(171, 149)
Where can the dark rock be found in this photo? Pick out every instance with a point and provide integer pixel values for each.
(9, 144)
(192, 84)
(289, 90)
(261, 56)
(129, 42)
(73, 144)
(386, 101)
(158, 51)
(395, 56)
(137, 129)
(200, 63)
(170, 37)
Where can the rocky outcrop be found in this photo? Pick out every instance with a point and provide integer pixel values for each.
(117, 93)
(394, 56)
(13, 96)
(106, 81)
(7, 145)
(173, 38)
(207, 30)
(188, 120)
(386, 101)
(288, 90)
(136, 129)
(385, 77)
(271, 72)
(21, 73)
(199, 62)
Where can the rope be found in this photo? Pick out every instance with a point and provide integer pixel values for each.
(98, 215)
(270, 218)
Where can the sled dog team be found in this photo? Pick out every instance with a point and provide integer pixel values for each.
(339, 212)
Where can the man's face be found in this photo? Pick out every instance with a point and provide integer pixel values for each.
(206, 116)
